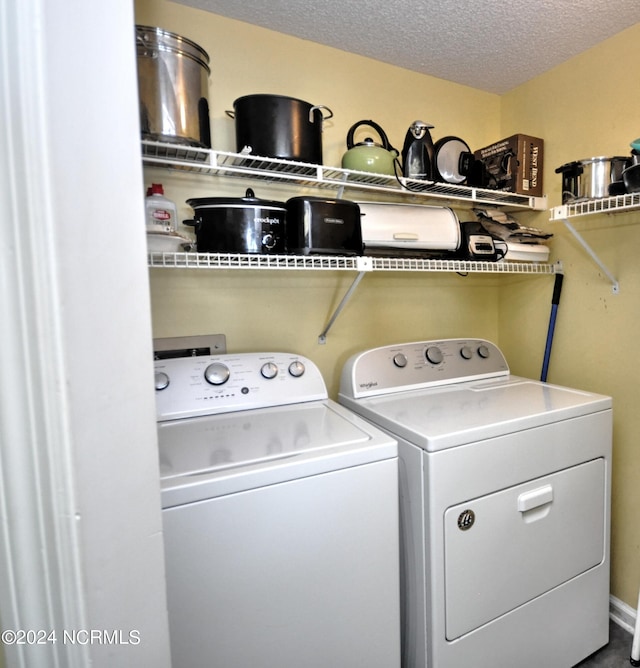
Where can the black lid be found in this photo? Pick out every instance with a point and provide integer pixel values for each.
(249, 200)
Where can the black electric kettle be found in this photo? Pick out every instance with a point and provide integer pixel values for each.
(417, 153)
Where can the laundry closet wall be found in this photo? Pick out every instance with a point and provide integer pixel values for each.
(585, 107)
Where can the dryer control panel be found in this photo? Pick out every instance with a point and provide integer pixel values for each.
(213, 384)
(421, 364)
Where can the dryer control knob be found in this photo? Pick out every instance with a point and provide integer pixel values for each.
(162, 380)
(483, 351)
(217, 373)
(466, 353)
(296, 369)
(269, 370)
(400, 360)
(434, 355)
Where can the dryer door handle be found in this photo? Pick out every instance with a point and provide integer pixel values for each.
(535, 498)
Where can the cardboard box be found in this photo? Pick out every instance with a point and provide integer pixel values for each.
(515, 164)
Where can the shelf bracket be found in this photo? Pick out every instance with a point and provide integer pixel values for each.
(364, 265)
(615, 286)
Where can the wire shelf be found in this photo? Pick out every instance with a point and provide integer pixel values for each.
(206, 161)
(341, 263)
(464, 266)
(614, 204)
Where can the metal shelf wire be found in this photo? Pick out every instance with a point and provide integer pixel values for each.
(341, 263)
(614, 204)
(206, 161)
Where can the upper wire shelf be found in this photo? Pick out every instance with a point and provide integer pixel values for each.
(208, 161)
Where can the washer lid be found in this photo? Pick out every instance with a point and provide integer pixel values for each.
(446, 416)
(213, 455)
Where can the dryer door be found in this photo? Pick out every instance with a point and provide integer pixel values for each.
(506, 548)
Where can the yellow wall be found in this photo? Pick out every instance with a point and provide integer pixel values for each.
(588, 107)
(583, 108)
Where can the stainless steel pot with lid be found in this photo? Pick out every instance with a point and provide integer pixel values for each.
(173, 83)
(590, 178)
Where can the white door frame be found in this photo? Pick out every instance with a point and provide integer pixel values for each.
(80, 520)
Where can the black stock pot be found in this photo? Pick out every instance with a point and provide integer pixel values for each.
(277, 126)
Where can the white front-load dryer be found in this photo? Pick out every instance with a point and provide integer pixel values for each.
(280, 518)
(505, 504)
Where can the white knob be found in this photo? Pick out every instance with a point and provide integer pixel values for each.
(466, 353)
(400, 360)
(162, 380)
(296, 369)
(269, 370)
(483, 351)
(434, 355)
(217, 373)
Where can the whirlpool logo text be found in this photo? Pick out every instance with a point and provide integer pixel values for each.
(369, 385)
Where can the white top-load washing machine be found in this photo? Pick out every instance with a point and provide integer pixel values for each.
(280, 515)
(505, 495)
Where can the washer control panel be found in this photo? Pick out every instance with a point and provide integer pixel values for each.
(208, 385)
(421, 364)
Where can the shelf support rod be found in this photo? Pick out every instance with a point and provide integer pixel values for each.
(615, 286)
(322, 339)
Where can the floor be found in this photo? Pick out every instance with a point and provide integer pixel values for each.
(614, 655)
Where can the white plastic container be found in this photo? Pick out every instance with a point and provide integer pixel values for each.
(161, 213)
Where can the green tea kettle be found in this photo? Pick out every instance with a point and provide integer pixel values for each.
(368, 156)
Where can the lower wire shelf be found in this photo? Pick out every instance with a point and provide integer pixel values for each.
(342, 263)
(360, 264)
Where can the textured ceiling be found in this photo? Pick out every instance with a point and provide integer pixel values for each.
(492, 45)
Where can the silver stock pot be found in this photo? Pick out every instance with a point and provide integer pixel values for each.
(590, 178)
(173, 85)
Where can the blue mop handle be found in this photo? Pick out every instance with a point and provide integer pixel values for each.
(555, 301)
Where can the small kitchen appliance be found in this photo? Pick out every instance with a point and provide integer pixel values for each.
(238, 224)
(323, 225)
(280, 517)
(453, 160)
(409, 230)
(505, 487)
(479, 244)
(418, 152)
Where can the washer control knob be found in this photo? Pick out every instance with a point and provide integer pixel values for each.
(483, 351)
(162, 380)
(466, 353)
(296, 369)
(217, 373)
(434, 355)
(400, 360)
(269, 370)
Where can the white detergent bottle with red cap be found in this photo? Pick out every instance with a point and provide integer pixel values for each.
(161, 213)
